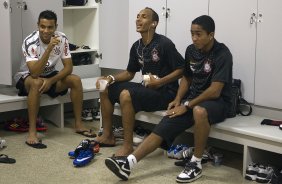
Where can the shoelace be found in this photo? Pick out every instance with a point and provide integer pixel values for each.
(189, 167)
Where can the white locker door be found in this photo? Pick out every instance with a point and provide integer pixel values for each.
(268, 85)
(235, 28)
(134, 8)
(113, 34)
(181, 14)
(5, 49)
(10, 35)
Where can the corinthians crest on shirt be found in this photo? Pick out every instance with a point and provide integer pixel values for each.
(207, 66)
(155, 55)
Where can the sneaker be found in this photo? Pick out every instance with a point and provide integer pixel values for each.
(252, 171)
(190, 173)
(87, 115)
(188, 153)
(2, 143)
(100, 132)
(264, 174)
(83, 158)
(118, 132)
(96, 114)
(83, 145)
(178, 151)
(170, 151)
(139, 135)
(119, 166)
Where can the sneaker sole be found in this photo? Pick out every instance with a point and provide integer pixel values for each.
(115, 169)
(251, 177)
(188, 181)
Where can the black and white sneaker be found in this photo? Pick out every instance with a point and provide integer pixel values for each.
(252, 171)
(264, 174)
(119, 166)
(190, 173)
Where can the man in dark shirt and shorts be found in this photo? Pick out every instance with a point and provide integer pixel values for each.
(203, 98)
(155, 56)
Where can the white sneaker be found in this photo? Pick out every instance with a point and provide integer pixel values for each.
(87, 115)
(2, 143)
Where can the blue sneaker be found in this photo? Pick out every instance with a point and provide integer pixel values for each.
(72, 154)
(83, 158)
(178, 151)
(170, 151)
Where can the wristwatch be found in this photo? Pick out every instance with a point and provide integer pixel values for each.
(112, 79)
(186, 104)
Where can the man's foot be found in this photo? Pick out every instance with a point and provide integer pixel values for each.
(190, 173)
(119, 166)
(124, 151)
(106, 141)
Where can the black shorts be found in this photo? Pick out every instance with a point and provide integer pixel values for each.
(143, 99)
(170, 128)
(51, 92)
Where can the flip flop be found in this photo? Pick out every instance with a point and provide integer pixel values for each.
(6, 160)
(87, 133)
(38, 145)
(106, 145)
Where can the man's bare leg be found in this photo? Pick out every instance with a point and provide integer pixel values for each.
(107, 110)
(150, 144)
(33, 102)
(128, 121)
(201, 130)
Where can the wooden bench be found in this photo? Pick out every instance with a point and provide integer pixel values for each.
(243, 130)
(51, 108)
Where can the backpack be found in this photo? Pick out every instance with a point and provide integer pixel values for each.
(238, 103)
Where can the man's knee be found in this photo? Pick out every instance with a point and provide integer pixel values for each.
(124, 97)
(74, 81)
(200, 113)
(35, 83)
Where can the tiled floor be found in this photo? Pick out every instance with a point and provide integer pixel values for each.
(52, 165)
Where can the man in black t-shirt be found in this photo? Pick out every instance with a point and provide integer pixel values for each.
(203, 98)
(157, 58)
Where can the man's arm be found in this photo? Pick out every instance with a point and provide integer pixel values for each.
(157, 83)
(36, 68)
(210, 93)
(120, 77)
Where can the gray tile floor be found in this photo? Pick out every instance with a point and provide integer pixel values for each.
(52, 165)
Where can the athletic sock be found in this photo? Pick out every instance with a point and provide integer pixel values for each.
(132, 161)
(271, 122)
(197, 160)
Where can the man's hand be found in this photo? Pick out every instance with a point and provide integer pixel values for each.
(153, 82)
(176, 111)
(173, 104)
(54, 41)
(47, 83)
(102, 78)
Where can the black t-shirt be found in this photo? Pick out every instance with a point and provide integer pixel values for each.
(205, 68)
(159, 57)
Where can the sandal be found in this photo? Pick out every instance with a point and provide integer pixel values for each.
(6, 160)
(87, 133)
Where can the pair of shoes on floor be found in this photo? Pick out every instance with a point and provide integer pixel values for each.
(176, 151)
(22, 125)
(259, 173)
(90, 114)
(84, 152)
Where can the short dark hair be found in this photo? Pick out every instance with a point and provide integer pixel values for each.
(155, 16)
(206, 22)
(49, 15)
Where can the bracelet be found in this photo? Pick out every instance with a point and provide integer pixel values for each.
(113, 79)
(186, 104)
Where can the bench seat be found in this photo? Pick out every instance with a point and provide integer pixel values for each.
(51, 108)
(243, 130)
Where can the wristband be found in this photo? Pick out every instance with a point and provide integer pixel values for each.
(113, 79)
(186, 104)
